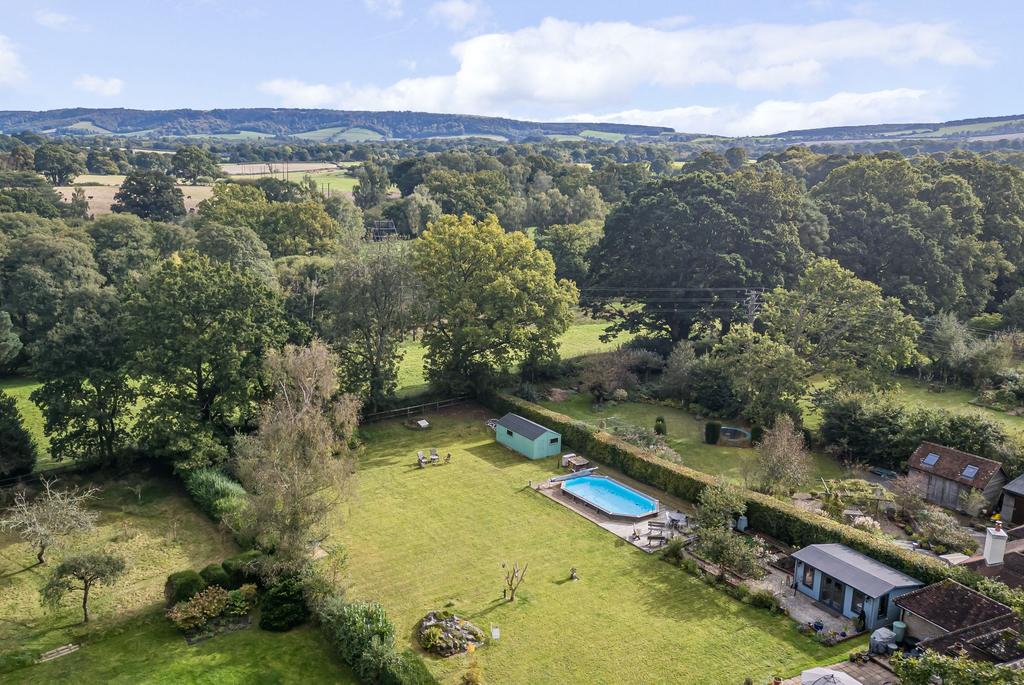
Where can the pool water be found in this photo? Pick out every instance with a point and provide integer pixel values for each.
(611, 496)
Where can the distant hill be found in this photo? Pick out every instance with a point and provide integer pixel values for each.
(965, 129)
(310, 124)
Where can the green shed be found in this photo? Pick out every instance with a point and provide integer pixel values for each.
(526, 437)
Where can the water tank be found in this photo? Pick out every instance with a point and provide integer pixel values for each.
(900, 628)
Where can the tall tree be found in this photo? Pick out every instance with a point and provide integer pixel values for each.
(87, 395)
(190, 163)
(305, 228)
(294, 465)
(369, 310)
(692, 234)
(123, 246)
(10, 343)
(17, 447)
(200, 329)
(372, 188)
(235, 204)
(41, 268)
(783, 462)
(491, 298)
(237, 246)
(841, 326)
(570, 246)
(82, 573)
(59, 163)
(150, 195)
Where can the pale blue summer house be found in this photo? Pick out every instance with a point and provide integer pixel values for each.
(850, 583)
(527, 437)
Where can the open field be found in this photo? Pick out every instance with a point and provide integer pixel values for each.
(685, 436)
(914, 393)
(582, 337)
(340, 134)
(101, 197)
(268, 168)
(423, 539)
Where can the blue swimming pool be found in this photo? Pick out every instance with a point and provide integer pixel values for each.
(610, 497)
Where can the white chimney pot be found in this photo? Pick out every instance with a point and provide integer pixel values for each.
(995, 545)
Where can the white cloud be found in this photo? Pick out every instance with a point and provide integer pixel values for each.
(567, 66)
(776, 116)
(99, 86)
(389, 8)
(459, 15)
(11, 71)
(58, 21)
(293, 93)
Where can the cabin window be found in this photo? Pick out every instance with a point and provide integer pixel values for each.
(883, 606)
(508, 432)
(808, 576)
(554, 441)
(857, 603)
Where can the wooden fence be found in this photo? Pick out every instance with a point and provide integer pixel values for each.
(414, 409)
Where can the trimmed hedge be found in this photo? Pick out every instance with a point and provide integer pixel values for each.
(214, 574)
(216, 493)
(766, 514)
(182, 586)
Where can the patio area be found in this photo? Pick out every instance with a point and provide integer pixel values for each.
(871, 673)
(799, 606)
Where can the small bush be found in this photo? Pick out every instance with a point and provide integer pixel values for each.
(528, 392)
(660, 427)
(242, 600)
(474, 675)
(197, 612)
(182, 586)
(283, 606)
(431, 637)
(763, 599)
(756, 433)
(214, 574)
(379, 662)
(712, 432)
(672, 552)
(243, 568)
(351, 626)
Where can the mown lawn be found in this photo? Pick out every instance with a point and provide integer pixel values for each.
(424, 539)
(152, 651)
(20, 389)
(916, 394)
(685, 436)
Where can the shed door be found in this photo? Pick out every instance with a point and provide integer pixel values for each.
(935, 489)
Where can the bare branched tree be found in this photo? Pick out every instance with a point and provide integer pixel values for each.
(514, 577)
(50, 516)
(295, 466)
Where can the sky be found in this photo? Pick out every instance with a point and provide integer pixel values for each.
(734, 67)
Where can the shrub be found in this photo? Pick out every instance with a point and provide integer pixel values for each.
(474, 674)
(379, 662)
(351, 626)
(283, 606)
(528, 392)
(756, 433)
(242, 600)
(182, 586)
(660, 427)
(197, 612)
(763, 599)
(712, 432)
(243, 568)
(431, 637)
(215, 493)
(672, 552)
(214, 574)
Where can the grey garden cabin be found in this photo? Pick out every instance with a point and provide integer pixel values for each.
(851, 583)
